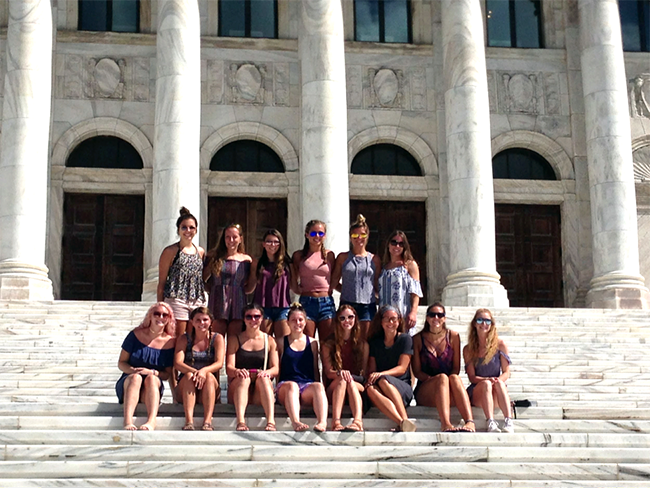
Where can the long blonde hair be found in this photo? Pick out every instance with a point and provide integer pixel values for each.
(170, 326)
(336, 343)
(217, 255)
(492, 342)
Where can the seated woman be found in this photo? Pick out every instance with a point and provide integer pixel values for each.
(389, 379)
(299, 376)
(146, 361)
(436, 364)
(345, 360)
(199, 357)
(252, 363)
(488, 368)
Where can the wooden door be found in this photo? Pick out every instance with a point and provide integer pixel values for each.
(529, 254)
(387, 216)
(255, 215)
(103, 242)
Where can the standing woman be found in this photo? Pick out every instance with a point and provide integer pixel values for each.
(180, 270)
(436, 364)
(273, 284)
(345, 360)
(389, 379)
(359, 270)
(312, 273)
(146, 361)
(399, 281)
(228, 270)
(199, 357)
(299, 376)
(488, 368)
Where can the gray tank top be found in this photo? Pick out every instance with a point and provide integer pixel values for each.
(357, 278)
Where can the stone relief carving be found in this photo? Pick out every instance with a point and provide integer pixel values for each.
(282, 84)
(641, 163)
(214, 81)
(386, 87)
(418, 89)
(354, 84)
(247, 83)
(535, 93)
(639, 94)
(520, 93)
(107, 78)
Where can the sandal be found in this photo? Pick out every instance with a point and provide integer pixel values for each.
(450, 430)
(336, 425)
(464, 427)
(207, 426)
(318, 428)
(189, 426)
(242, 427)
(354, 426)
(300, 426)
(270, 427)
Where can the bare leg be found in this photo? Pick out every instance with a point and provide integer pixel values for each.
(482, 397)
(208, 397)
(280, 329)
(461, 400)
(500, 394)
(239, 387)
(315, 394)
(325, 329)
(365, 326)
(337, 391)
(235, 327)
(394, 396)
(220, 326)
(310, 328)
(264, 393)
(188, 394)
(181, 327)
(289, 395)
(384, 400)
(151, 397)
(354, 390)
(132, 387)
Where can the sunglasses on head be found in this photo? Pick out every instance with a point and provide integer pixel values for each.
(397, 243)
(436, 315)
(481, 320)
(163, 315)
(250, 316)
(318, 233)
(356, 236)
(343, 318)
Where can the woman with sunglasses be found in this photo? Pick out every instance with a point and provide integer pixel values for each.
(399, 281)
(436, 364)
(299, 375)
(359, 270)
(389, 375)
(199, 357)
(273, 284)
(312, 273)
(180, 270)
(228, 271)
(251, 365)
(487, 364)
(345, 359)
(146, 361)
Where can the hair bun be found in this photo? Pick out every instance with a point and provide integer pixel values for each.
(296, 306)
(184, 211)
(361, 219)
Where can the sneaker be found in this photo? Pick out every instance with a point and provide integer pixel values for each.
(493, 426)
(508, 426)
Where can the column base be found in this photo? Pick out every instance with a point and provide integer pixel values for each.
(24, 281)
(475, 289)
(150, 285)
(618, 291)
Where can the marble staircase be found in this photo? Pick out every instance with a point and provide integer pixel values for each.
(586, 373)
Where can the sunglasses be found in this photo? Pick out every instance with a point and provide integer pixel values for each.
(356, 236)
(397, 243)
(162, 315)
(343, 318)
(253, 317)
(436, 315)
(315, 233)
(272, 243)
(481, 320)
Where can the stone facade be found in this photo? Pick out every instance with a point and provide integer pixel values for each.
(269, 90)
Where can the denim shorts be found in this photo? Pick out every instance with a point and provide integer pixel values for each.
(365, 311)
(318, 308)
(276, 313)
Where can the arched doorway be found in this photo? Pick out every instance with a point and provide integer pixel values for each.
(255, 215)
(103, 234)
(386, 216)
(528, 237)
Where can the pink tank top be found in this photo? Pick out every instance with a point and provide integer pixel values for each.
(314, 274)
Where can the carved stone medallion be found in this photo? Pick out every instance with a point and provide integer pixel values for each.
(248, 81)
(107, 76)
(386, 86)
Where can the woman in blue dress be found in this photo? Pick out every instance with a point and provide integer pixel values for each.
(146, 361)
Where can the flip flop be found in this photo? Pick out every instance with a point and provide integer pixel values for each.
(450, 430)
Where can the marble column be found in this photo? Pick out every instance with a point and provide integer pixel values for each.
(176, 168)
(473, 280)
(325, 193)
(617, 282)
(24, 147)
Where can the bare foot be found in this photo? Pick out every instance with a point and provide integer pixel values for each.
(130, 427)
(299, 426)
(148, 426)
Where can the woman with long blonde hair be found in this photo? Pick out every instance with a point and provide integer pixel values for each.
(487, 364)
(345, 360)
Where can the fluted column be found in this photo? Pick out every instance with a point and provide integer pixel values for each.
(325, 193)
(473, 280)
(617, 282)
(176, 170)
(24, 152)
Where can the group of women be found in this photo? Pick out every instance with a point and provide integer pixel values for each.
(366, 355)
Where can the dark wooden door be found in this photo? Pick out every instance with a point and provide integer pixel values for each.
(255, 215)
(529, 254)
(387, 216)
(103, 242)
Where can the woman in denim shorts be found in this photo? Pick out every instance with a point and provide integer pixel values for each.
(312, 273)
